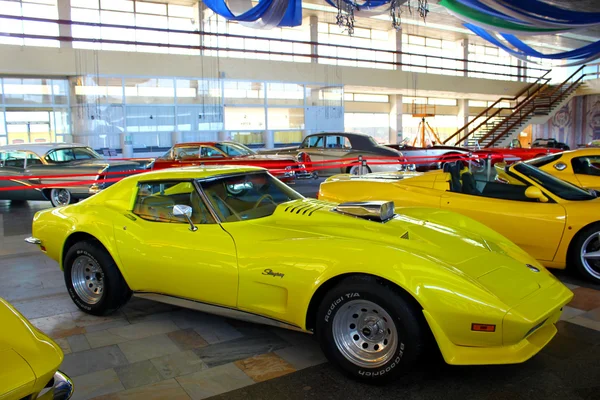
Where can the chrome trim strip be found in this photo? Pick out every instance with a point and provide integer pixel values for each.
(217, 310)
(32, 240)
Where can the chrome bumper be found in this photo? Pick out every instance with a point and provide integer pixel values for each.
(32, 240)
(60, 387)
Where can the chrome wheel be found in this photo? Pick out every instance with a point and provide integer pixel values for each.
(365, 333)
(355, 170)
(60, 197)
(88, 279)
(590, 255)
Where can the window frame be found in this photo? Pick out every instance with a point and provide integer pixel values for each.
(194, 183)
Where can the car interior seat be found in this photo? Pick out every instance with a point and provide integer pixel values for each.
(581, 166)
(469, 185)
(454, 169)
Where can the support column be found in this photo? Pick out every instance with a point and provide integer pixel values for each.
(463, 114)
(64, 12)
(268, 139)
(395, 118)
(464, 51)
(398, 57)
(313, 21)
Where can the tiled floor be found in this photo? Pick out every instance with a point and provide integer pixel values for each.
(149, 350)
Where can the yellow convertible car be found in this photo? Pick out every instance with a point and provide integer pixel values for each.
(373, 286)
(580, 167)
(29, 361)
(556, 222)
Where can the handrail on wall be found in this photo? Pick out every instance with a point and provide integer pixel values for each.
(535, 106)
(514, 98)
(396, 62)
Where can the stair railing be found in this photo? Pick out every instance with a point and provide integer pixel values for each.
(524, 111)
(538, 84)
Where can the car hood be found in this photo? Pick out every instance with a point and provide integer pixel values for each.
(446, 239)
(25, 348)
(289, 149)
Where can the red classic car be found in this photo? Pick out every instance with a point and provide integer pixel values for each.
(286, 168)
(515, 152)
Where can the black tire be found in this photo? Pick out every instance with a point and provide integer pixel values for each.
(411, 334)
(115, 292)
(367, 169)
(587, 237)
(60, 197)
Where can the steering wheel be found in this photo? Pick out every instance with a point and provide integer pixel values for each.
(181, 155)
(263, 198)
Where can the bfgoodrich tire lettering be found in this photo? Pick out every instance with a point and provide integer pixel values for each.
(93, 280)
(385, 333)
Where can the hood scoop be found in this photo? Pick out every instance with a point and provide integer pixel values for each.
(380, 211)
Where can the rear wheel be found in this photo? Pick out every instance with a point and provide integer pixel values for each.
(60, 197)
(354, 170)
(585, 253)
(93, 280)
(369, 330)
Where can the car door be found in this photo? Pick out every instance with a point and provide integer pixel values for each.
(587, 171)
(535, 227)
(160, 253)
(314, 146)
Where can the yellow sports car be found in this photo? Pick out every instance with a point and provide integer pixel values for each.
(372, 285)
(555, 221)
(29, 360)
(580, 167)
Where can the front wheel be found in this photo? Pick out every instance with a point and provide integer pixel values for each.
(60, 197)
(93, 280)
(585, 254)
(369, 330)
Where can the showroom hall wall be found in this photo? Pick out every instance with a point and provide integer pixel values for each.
(576, 123)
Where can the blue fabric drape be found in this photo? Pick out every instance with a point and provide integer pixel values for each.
(582, 52)
(479, 6)
(292, 17)
(543, 12)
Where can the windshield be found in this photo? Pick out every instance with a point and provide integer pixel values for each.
(541, 161)
(71, 154)
(248, 196)
(562, 189)
(234, 149)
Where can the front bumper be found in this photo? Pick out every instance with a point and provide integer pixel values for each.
(540, 331)
(60, 387)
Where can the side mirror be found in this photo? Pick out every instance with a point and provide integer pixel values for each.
(534, 192)
(184, 211)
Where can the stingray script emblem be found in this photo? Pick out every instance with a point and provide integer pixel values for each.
(272, 273)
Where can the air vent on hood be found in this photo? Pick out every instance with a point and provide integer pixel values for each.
(303, 208)
(404, 235)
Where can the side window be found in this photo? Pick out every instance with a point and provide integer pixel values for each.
(32, 159)
(586, 165)
(210, 152)
(313, 141)
(337, 142)
(14, 159)
(60, 156)
(155, 201)
(183, 153)
(82, 154)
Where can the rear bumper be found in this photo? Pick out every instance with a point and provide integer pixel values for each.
(60, 387)
(540, 331)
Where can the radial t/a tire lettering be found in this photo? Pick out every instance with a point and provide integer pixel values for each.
(369, 330)
(93, 280)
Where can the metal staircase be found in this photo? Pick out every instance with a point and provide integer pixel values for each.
(495, 127)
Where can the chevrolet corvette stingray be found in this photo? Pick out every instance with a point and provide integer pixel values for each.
(373, 285)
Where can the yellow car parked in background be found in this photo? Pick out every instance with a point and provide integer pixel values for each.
(29, 360)
(372, 285)
(580, 167)
(554, 221)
